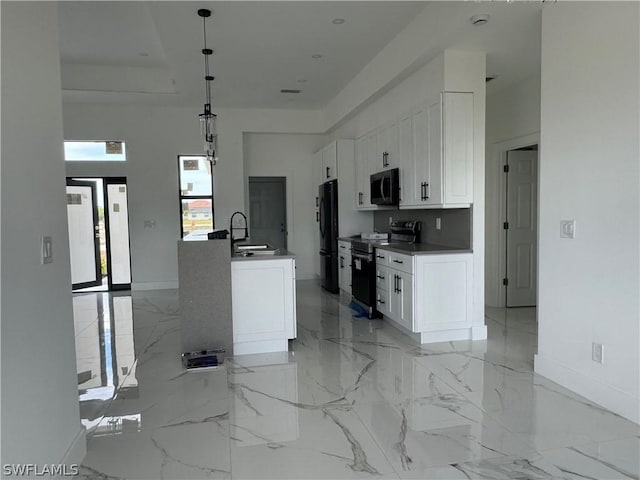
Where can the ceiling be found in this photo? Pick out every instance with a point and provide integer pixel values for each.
(149, 52)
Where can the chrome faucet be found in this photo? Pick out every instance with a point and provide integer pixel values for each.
(232, 228)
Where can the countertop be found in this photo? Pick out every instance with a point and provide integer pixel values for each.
(279, 255)
(422, 248)
(410, 248)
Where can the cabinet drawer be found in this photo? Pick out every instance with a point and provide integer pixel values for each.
(401, 262)
(382, 277)
(382, 302)
(344, 246)
(381, 257)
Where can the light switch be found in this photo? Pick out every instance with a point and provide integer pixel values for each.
(47, 249)
(567, 228)
(438, 223)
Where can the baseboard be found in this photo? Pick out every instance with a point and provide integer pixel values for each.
(142, 286)
(479, 332)
(77, 450)
(306, 276)
(603, 394)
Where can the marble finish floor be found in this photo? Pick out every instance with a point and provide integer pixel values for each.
(353, 398)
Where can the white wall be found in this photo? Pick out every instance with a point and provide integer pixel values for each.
(513, 121)
(454, 71)
(589, 170)
(290, 156)
(40, 414)
(155, 136)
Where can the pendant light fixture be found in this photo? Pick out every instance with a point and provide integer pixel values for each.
(207, 117)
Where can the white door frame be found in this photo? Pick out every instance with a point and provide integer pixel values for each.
(496, 200)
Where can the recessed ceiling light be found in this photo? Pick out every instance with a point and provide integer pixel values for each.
(481, 19)
(316, 56)
(302, 80)
(289, 90)
(338, 21)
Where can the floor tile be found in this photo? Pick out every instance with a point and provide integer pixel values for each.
(352, 398)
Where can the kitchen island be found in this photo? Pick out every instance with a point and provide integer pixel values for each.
(263, 290)
(243, 303)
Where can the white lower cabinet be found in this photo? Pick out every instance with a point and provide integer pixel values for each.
(443, 291)
(264, 304)
(430, 294)
(401, 298)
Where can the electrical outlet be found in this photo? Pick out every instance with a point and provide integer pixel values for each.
(390, 221)
(567, 228)
(438, 223)
(47, 249)
(597, 352)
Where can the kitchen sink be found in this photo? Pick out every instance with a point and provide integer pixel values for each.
(248, 249)
(253, 246)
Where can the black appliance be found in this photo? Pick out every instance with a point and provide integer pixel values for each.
(328, 220)
(363, 262)
(385, 187)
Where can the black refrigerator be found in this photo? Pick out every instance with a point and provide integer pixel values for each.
(328, 210)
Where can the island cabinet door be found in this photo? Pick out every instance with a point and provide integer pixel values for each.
(443, 289)
(263, 293)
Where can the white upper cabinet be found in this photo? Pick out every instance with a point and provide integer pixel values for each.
(366, 157)
(329, 162)
(436, 153)
(457, 138)
(387, 138)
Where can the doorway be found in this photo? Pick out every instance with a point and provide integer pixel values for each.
(98, 223)
(521, 227)
(268, 210)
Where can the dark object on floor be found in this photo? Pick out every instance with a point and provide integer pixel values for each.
(203, 359)
(360, 312)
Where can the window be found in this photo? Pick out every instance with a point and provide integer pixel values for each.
(196, 193)
(99, 151)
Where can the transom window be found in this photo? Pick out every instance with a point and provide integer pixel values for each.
(95, 151)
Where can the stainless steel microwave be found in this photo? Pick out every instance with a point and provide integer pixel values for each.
(385, 187)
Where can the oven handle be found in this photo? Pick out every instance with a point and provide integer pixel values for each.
(362, 256)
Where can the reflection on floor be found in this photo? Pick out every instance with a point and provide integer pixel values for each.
(352, 399)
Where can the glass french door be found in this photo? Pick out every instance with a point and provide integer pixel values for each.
(84, 235)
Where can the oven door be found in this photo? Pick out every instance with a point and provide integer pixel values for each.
(363, 276)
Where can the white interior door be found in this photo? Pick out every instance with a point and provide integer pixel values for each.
(522, 212)
(84, 247)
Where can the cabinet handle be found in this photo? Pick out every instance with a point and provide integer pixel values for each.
(385, 159)
(380, 301)
(381, 277)
(328, 170)
(397, 261)
(380, 256)
(399, 284)
(360, 201)
(422, 191)
(426, 190)
(395, 284)
(317, 202)
(317, 216)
